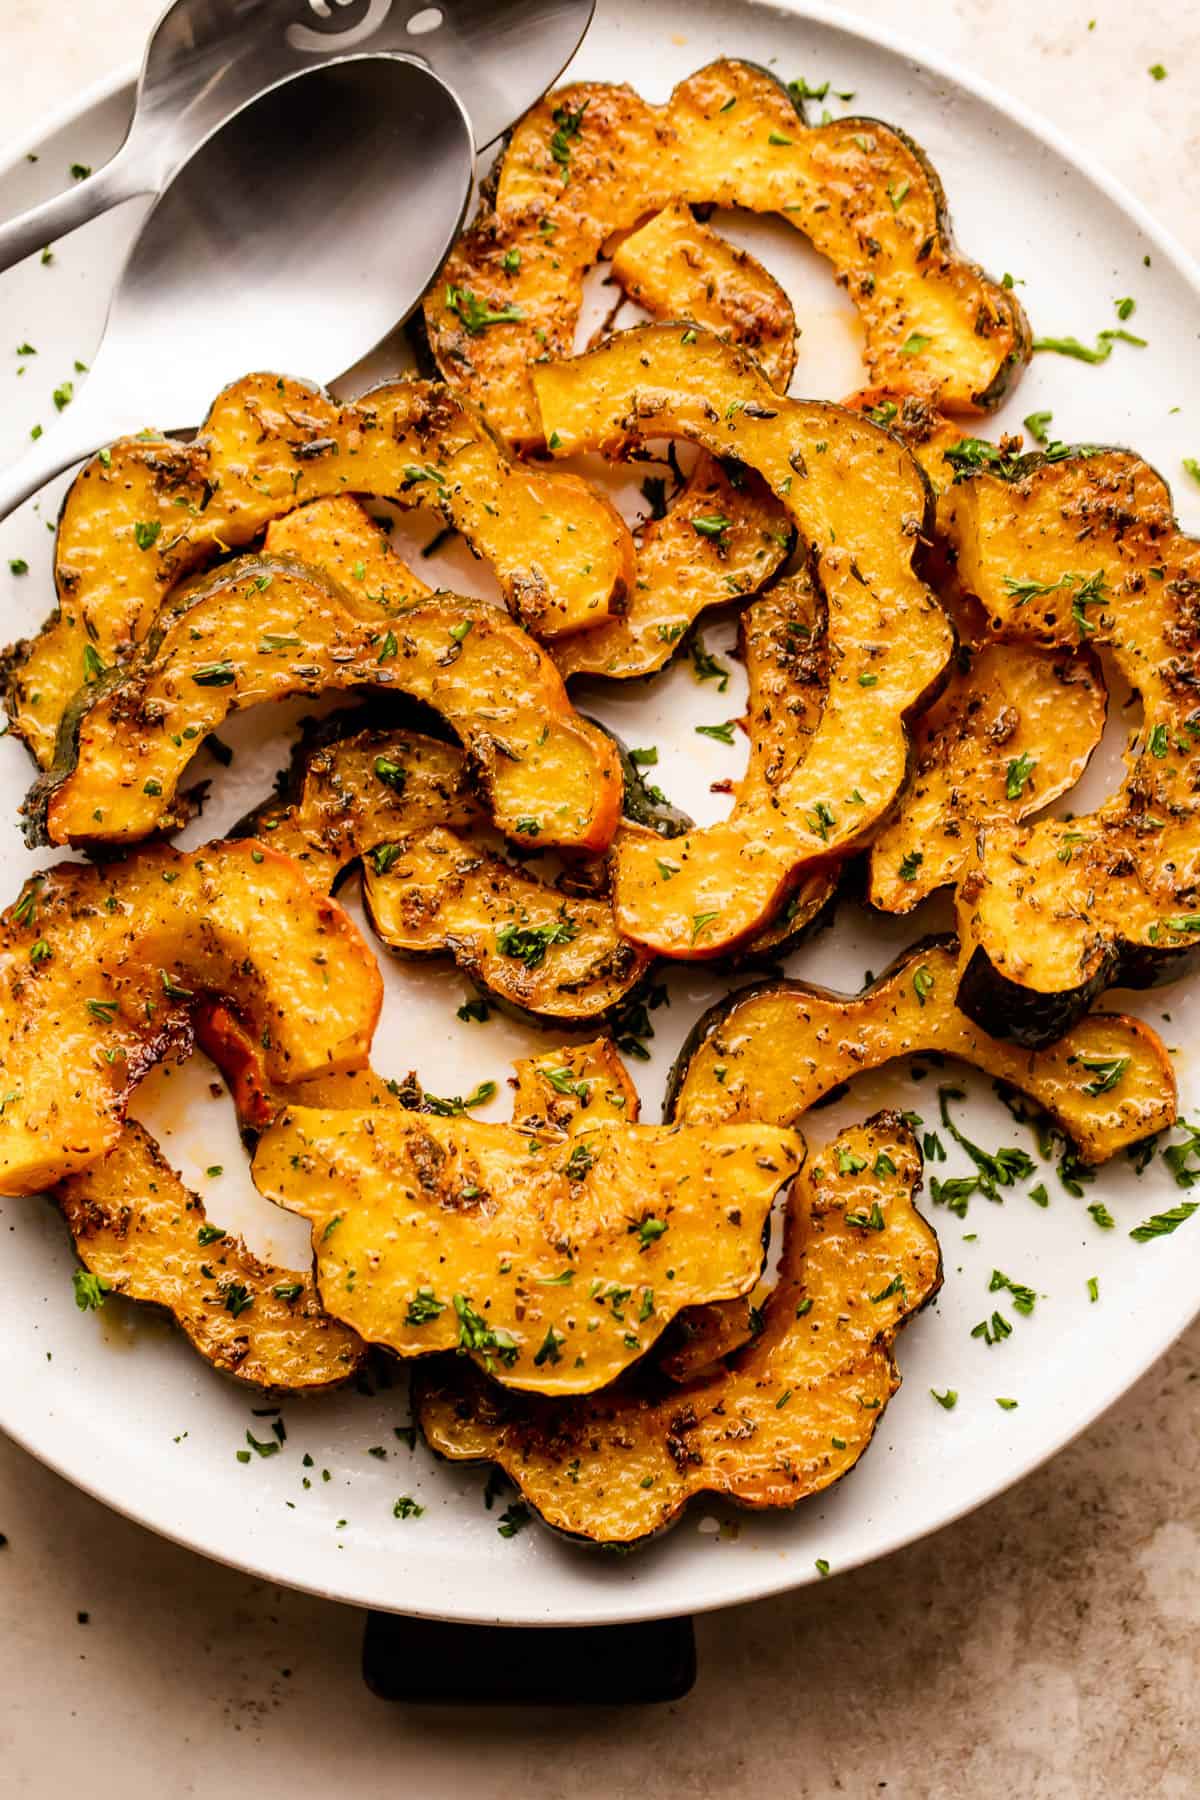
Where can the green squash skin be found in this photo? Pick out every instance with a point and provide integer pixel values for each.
(1005, 1009)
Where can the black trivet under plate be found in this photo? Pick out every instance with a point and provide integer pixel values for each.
(601, 1665)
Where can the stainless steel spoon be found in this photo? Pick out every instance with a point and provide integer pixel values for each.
(294, 239)
(207, 58)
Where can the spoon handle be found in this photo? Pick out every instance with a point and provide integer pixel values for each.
(120, 179)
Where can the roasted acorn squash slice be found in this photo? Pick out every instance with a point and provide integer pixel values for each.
(786, 1418)
(1014, 727)
(889, 642)
(718, 542)
(677, 268)
(556, 1260)
(99, 968)
(572, 1088)
(554, 956)
(1084, 548)
(261, 630)
(591, 160)
(772, 1051)
(147, 511)
(549, 951)
(148, 1238)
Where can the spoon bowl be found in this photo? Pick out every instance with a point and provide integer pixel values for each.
(206, 59)
(294, 239)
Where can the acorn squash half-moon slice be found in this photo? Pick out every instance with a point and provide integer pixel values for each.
(719, 541)
(572, 1088)
(148, 511)
(1084, 548)
(889, 642)
(1014, 727)
(591, 160)
(555, 1260)
(773, 1050)
(787, 1417)
(148, 1238)
(99, 967)
(543, 949)
(261, 630)
(677, 268)
(552, 955)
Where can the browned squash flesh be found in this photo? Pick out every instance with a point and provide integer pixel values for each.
(1086, 550)
(573, 1088)
(99, 967)
(148, 511)
(591, 160)
(888, 640)
(716, 543)
(1013, 729)
(346, 796)
(545, 1256)
(433, 891)
(554, 956)
(773, 1051)
(677, 268)
(341, 539)
(787, 1416)
(701, 1338)
(262, 630)
(149, 1238)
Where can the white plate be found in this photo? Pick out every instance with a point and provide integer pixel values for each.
(121, 1406)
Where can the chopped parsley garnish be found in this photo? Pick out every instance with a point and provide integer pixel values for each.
(424, 1307)
(391, 773)
(474, 1333)
(513, 1519)
(1019, 775)
(407, 1508)
(476, 314)
(1164, 1223)
(1023, 1298)
(948, 1400)
(551, 1347)
(1036, 424)
(567, 125)
(723, 734)
(1107, 1072)
(529, 943)
(210, 1234)
(91, 1291)
(711, 525)
(993, 1330)
(215, 674)
(146, 533)
(910, 862)
(476, 1011)
(706, 667)
(454, 1106)
(579, 1162)
(1071, 346)
(649, 1230)
(237, 1299)
(914, 343)
(923, 983)
(1101, 1215)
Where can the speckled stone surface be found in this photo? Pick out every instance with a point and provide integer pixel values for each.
(1044, 1647)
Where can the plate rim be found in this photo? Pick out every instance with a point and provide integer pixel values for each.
(624, 1605)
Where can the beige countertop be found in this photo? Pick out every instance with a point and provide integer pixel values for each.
(1042, 1647)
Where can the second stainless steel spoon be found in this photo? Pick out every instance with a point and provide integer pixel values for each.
(294, 239)
(208, 58)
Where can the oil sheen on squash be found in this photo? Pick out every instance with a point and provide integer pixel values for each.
(772, 1051)
(677, 268)
(148, 511)
(889, 642)
(592, 160)
(261, 630)
(100, 966)
(787, 1417)
(1084, 549)
(148, 1238)
(554, 1259)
